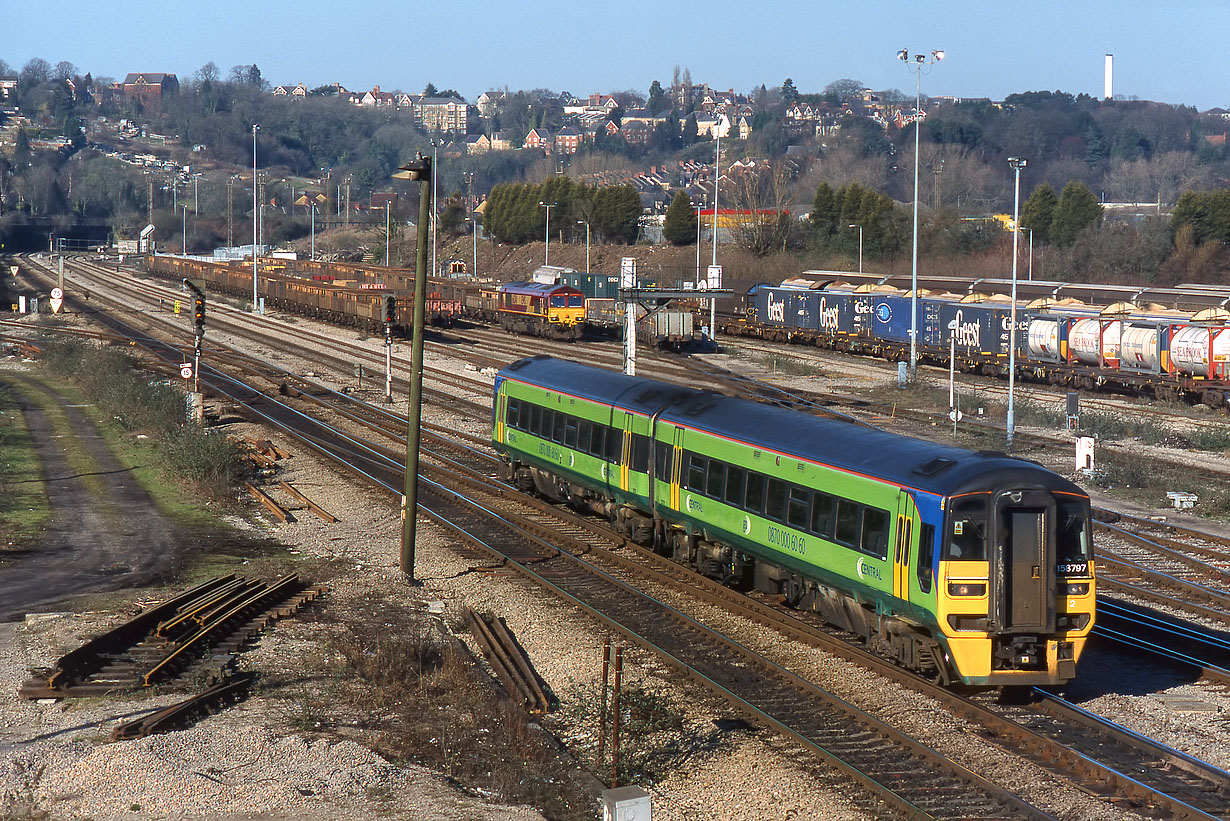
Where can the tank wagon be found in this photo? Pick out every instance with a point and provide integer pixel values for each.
(968, 567)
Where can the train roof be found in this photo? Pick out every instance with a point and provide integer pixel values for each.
(942, 469)
(536, 288)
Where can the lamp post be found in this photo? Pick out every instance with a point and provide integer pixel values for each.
(1017, 164)
(586, 224)
(546, 253)
(386, 234)
(196, 202)
(183, 248)
(860, 245)
(435, 271)
(916, 63)
(256, 218)
(313, 205)
(699, 208)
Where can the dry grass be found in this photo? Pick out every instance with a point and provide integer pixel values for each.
(441, 711)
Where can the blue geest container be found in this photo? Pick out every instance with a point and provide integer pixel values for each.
(982, 329)
(891, 318)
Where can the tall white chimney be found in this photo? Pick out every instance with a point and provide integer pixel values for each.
(1110, 70)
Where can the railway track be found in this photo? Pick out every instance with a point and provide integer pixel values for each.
(375, 464)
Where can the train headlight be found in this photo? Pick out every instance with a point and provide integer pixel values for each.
(967, 589)
(1075, 588)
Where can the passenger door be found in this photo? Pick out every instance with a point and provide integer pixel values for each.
(1022, 562)
(903, 545)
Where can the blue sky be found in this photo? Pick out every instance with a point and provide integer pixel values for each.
(1168, 51)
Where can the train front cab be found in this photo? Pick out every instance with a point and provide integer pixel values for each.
(1015, 598)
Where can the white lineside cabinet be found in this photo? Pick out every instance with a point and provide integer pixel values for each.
(626, 804)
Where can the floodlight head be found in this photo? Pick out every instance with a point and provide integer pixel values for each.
(938, 55)
(1017, 162)
(903, 55)
(920, 58)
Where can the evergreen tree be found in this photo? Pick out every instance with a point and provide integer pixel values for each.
(1039, 211)
(654, 104)
(825, 211)
(1077, 209)
(790, 94)
(617, 212)
(679, 227)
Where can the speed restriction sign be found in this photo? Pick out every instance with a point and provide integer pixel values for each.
(185, 371)
(57, 293)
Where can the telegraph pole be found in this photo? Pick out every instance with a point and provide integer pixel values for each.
(421, 171)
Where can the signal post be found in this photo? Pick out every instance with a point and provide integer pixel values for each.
(390, 317)
(198, 324)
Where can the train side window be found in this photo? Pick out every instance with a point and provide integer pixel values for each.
(736, 478)
(775, 501)
(614, 444)
(537, 412)
(715, 480)
(570, 431)
(875, 532)
(557, 432)
(754, 500)
(696, 473)
(585, 435)
(796, 508)
(926, 554)
(823, 514)
(847, 523)
(511, 413)
(640, 453)
(967, 529)
(662, 460)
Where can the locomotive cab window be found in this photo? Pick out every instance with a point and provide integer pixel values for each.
(1072, 533)
(513, 414)
(967, 529)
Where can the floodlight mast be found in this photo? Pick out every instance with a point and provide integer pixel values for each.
(919, 61)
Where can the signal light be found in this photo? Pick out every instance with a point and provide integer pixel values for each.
(390, 310)
(198, 313)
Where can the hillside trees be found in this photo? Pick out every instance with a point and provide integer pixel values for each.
(1039, 211)
(1206, 214)
(833, 212)
(680, 222)
(1076, 210)
(515, 212)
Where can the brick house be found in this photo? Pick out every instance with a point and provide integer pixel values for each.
(567, 140)
(539, 138)
(150, 87)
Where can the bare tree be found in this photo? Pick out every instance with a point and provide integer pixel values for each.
(64, 70)
(36, 71)
(759, 198)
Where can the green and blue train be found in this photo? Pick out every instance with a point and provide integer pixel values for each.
(967, 567)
